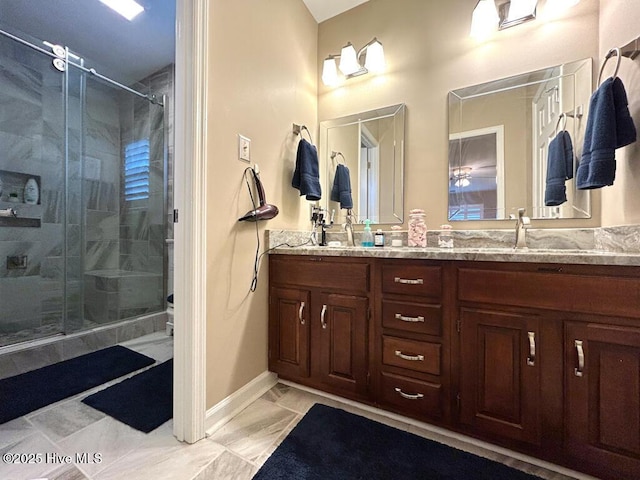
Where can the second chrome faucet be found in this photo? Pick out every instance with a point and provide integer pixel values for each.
(522, 223)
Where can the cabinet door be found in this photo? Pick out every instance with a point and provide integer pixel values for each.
(289, 319)
(500, 374)
(341, 334)
(602, 401)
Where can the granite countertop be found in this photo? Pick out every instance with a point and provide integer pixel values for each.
(569, 247)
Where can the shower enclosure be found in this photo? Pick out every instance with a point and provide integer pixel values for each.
(86, 247)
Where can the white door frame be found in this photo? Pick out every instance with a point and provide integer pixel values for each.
(190, 173)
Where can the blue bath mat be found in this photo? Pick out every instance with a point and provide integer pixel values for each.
(144, 401)
(331, 444)
(30, 391)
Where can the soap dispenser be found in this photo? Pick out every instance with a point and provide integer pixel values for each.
(367, 236)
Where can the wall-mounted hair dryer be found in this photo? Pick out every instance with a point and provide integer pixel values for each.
(265, 211)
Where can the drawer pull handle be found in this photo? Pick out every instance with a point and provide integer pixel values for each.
(409, 396)
(407, 281)
(550, 269)
(300, 313)
(412, 358)
(322, 322)
(401, 317)
(579, 371)
(531, 359)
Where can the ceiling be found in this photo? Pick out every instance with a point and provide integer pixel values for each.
(325, 9)
(122, 50)
(125, 51)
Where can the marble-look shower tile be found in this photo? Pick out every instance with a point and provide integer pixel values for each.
(35, 357)
(110, 438)
(20, 117)
(65, 419)
(101, 255)
(160, 456)
(227, 467)
(77, 345)
(102, 226)
(157, 345)
(252, 431)
(134, 329)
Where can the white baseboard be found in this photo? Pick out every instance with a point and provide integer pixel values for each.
(226, 409)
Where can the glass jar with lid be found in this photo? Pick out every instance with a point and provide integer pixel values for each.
(417, 235)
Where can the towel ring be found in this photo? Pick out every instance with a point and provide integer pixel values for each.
(335, 154)
(297, 130)
(563, 116)
(611, 53)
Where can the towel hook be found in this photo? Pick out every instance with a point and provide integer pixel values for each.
(563, 116)
(297, 130)
(611, 53)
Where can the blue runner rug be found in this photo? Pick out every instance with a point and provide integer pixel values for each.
(333, 444)
(144, 401)
(32, 390)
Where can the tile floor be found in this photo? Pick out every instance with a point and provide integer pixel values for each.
(235, 451)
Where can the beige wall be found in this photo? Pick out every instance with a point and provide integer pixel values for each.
(618, 26)
(429, 52)
(262, 79)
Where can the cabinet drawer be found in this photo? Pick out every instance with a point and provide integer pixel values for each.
(321, 273)
(411, 396)
(418, 356)
(412, 317)
(411, 279)
(542, 288)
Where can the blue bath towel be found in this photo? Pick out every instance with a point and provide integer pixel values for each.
(609, 127)
(306, 176)
(559, 169)
(341, 191)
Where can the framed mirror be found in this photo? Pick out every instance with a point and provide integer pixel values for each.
(369, 147)
(499, 135)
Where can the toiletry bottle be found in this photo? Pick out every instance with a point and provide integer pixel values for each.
(396, 236)
(378, 238)
(367, 236)
(445, 239)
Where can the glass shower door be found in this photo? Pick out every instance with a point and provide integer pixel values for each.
(32, 179)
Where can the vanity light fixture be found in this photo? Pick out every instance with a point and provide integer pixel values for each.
(129, 9)
(508, 13)
(350, 62)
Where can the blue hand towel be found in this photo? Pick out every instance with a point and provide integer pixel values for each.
(559, 169)
(609, 127)
(341, 191)
(306, 176)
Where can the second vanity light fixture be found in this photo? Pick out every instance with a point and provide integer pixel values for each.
(490, 15)
(351, 63)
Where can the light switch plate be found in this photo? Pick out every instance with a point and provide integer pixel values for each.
(244, 148)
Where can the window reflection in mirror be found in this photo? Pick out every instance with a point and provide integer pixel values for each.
(491, 177)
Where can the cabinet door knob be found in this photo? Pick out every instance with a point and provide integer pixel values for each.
(408, 281)
(401, 317)
(300, 317)
(580, 370)
(409, 396)
(324, 311)
(412, 358)
(531, 359)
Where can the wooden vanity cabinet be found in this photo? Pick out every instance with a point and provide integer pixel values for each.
(411, 356)
(549, 358)
(318, 322)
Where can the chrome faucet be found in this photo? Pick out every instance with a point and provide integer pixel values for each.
(319, 219)
(522, 224)
(348, 227)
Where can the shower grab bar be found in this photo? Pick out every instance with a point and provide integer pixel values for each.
(92, 71)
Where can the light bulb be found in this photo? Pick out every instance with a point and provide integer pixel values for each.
(375, 62)
(329, 71)
(348, 60)
(485, 19)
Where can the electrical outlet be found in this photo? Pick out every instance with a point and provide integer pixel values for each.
(244, 148)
